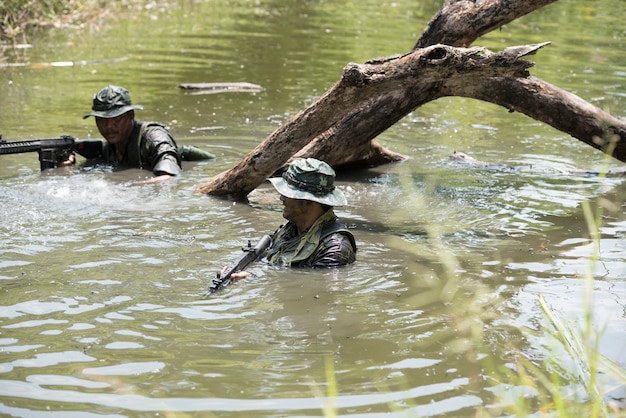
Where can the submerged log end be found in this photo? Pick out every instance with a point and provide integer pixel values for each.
(237, 182)
(213, 186)
(221, 186)
(222, 190)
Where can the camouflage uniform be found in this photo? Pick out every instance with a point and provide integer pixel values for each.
(326, 243)
(150, 146)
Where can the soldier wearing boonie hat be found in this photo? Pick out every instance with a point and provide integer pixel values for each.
(111, 102)
(129, 143)
(313, 236)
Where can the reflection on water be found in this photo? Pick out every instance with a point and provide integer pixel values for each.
(101, 278)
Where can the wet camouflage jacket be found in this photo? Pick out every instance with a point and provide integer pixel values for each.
(327, 243)
(150, 147)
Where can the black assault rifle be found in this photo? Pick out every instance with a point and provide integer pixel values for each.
(54, 151)
(249, 255)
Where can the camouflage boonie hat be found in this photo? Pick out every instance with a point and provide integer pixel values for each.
(310, 179)
(111, 102)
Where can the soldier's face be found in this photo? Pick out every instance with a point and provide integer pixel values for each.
(294, 209)
(116, 130)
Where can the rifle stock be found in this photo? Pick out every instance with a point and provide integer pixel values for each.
(53, 151)
(250, 254)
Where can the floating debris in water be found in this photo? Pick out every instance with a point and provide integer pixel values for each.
(213, 88)
(60, 63)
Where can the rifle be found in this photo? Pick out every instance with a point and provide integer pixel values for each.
(249, 255)
(54, 151)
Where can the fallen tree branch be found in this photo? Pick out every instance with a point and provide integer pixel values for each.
(461, 22)
(343, 121)
(341, 126)
(556, 107)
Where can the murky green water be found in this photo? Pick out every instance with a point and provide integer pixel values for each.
(101, 278)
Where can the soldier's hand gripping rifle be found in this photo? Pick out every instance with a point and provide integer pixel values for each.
(250, 254)
(52, 152)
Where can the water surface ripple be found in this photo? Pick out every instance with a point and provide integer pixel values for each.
(101, 278)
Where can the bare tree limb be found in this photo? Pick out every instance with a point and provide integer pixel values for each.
(369, 98)
(348, 116)
(461, 22)
(556, 107)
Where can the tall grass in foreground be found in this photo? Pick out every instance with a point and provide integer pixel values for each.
(562, 390)
(554, 383)
(572, 391)
(552, 388)
(548, 387)
(581, 343)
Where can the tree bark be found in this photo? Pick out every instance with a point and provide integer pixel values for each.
(369, 98)
(558, 108)
(461, 22)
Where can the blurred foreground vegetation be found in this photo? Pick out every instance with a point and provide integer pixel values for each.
(20, 16)
(20, 19)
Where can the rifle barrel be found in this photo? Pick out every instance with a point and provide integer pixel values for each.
(250, 254)
(17, 147)
(53, 151)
